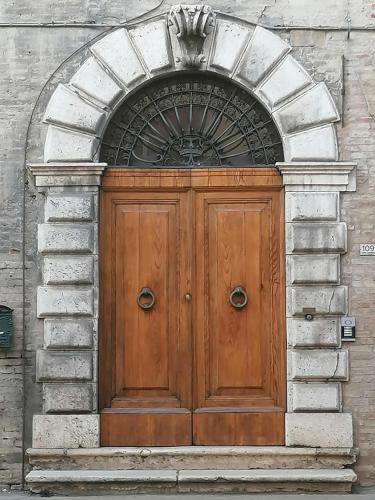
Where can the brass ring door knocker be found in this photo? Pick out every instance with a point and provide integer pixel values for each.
(238, 297)
(146, 298)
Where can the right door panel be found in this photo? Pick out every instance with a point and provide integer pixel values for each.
(239, 345)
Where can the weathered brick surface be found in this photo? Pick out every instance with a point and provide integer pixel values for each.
(30, 56)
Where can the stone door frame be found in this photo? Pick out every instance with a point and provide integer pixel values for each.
(67, 299)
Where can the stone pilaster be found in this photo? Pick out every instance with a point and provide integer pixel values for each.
(67, 301)
(317, 362)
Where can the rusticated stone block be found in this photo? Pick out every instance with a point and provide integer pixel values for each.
(68, 398)
(64, 301)
(313, 269)
(72, 366)
(152, 41)
(68, 269)
(313, 207)
(68, 333)
(66, 431)
(317, 364)
(315, 237)
(315, 396)
(325, 430)
(324, 300)
(69, 145)
(72, 207)
(60, 238)
(316, 333)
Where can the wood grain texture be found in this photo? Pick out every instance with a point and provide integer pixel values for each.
(200, 232)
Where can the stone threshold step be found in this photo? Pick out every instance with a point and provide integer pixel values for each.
(140, 481)
(192, 457)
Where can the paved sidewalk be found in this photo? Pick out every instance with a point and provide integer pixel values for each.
(359, 494)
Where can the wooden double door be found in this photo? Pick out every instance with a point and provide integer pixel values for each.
(192, 343)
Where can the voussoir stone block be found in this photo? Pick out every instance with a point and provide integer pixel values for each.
(117, 53)
(67, 108)
(152, 42)
(228, 34)
(317, 333)
(316, 237)
(66, 431)
(59, 398)
(264, 51)
(55, 365)
(68, 333)
(64, 301)
(311, 207)
(316, 144)
(313, 269)
(314, 107)
(325, 430)
(72, 207)
(288, 79)
(60, 238)
(68, 269)
(315, 396)
(310, 364)
(95, 82)
(69, 145)
(324, 300)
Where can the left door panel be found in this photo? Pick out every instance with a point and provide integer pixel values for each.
(145, 354)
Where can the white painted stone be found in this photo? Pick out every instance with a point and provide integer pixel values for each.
(117, 53)
(324, 299)
(57, 365)
(312, 207)
(64, 301)
(315, 144)
(69, 145)
(286, 80)
(67, 398)
(67, 108)
(69, 207)
(68, 333)
(313, 269)
(317, 364)
(68, 269)
(316, 237)
(319, 429)
(264, 51)
(314, 107)
(316, 396)
(152, 42)
(229, 43)
(95, 82)
(316, 333)
(57, 238)
(66, 431)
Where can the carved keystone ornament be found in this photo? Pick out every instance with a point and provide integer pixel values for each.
(192, 24)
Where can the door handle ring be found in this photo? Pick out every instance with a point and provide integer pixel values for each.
(237, 293)
(146, 293)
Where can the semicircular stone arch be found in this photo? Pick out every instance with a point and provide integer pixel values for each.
(78, 112)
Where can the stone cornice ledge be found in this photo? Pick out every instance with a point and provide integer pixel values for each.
(338, 176)
(67, 174)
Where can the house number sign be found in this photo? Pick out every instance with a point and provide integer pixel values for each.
(367, 249)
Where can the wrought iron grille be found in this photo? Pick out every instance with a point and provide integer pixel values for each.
(190, 121)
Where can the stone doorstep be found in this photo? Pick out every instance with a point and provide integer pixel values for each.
(192, 457)
(190, 480)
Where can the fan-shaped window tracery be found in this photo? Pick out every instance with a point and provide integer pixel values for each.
(191, 120)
